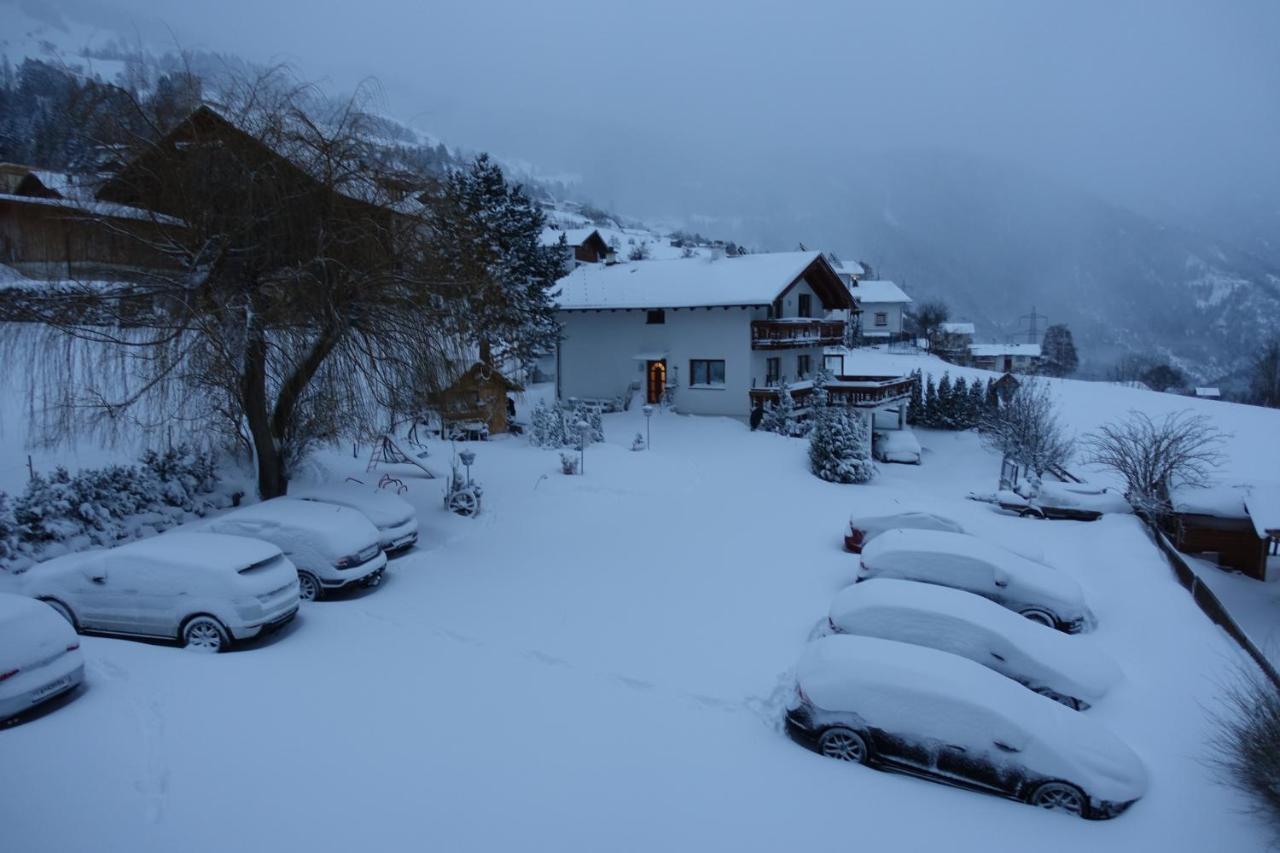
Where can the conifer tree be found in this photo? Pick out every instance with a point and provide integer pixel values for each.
(960, 404)
(945, 416)
(780, 417)
(839, 446)
(977, 403)
(929, 416)
(915, 405)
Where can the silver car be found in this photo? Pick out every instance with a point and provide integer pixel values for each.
(39, 655)
(202, 589)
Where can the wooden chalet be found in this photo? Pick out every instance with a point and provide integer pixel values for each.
(479, 395)
(1240, 525)
(586, 243)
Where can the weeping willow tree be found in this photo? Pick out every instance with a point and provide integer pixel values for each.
(283, 289)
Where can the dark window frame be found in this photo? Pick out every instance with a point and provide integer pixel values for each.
(694, 363)
(772, 370)
(804, 305)
(655, 317)
(881, 318)
(804, 365)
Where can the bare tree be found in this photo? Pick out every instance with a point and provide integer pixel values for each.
(1025, 428)
(288, 292)
(1246, 742)
(1264, 376)
(928, 316)
(1157, 457)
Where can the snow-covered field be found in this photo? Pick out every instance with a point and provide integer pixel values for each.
(601, 662)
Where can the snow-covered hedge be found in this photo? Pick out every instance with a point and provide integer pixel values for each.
(558, 427)
(63, 512)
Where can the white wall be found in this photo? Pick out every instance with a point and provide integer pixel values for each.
(892, 309)
(597, 354)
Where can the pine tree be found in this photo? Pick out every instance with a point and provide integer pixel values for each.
(915, 405)
(1058, 351)
(929, 416)
(839, 446)
(977, 403)
(780, 417)
(8, 529)
(946, 414)
(992, 398)
(960, 404)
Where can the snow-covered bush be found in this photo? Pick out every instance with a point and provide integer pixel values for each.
(46, 511)
(568, 463)
(1246, 745)
(915, 405)
(184, 474)
(840, 446)
(546, 427)
(1026, 429)
(637, 443)
(780, 417)
(8, 529)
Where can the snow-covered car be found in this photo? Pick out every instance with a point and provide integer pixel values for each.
(331, 546)
(1072, 501)
(864, 528)
(896, 445)
(1037, 591)
(395, 518)
(1049, 662)
(39, 655)
(202, 589)
(933, 714)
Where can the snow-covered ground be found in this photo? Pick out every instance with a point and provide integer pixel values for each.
(601, 662)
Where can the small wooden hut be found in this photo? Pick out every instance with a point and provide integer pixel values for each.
(479, 395)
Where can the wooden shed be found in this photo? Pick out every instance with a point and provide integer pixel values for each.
(1238, 524)
(479, 395)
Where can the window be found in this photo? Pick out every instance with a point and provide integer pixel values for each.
(834, 363)
(804, 363)
(706, 372)
(806, 305)
(772, 371)
(882, 318)
(656, 318)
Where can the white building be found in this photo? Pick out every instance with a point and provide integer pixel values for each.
(882, 304)
(715, 336)
(1006, 358)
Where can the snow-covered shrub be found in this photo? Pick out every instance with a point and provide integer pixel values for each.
(637, 443)
(1246, 744)
(568, 463)
(541, 432)
(840, 446)
(780, 417)
(1026, 429)
(915, 405)
(45, 512)
(184, 474)
(8, 529)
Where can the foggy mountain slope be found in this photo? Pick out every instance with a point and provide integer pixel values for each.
(993, 241)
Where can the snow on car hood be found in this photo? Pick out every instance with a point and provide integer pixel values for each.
(974, 627)
(382, 508)
(926, 553)
(31, 631)
(939, 697)
(306, 531)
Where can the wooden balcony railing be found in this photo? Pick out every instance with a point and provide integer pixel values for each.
(866, 392)
(796, 332)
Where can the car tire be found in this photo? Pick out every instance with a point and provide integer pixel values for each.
(205, 633)
(309, 588)
(1060, 797)
(844, 744)
(1040, 617)
(64, 611)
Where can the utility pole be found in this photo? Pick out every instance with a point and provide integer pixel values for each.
(1033, 329)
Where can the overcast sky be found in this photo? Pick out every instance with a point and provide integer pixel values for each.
(667, 107)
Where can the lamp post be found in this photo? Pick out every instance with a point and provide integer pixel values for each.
(467, 457)
(582, 426)
(648, 413)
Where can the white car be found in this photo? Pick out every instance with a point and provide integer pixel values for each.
(331, 546)
(1052, 664)
(39, 655)
(896, 445)
(936, 715)
(203, 590)
(1011, 580)
(396, 520)
(864, 528)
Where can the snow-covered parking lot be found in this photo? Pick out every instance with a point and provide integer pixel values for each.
(601, 662)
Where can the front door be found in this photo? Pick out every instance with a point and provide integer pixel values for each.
(657, 373)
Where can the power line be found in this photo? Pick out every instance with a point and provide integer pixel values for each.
(1033, 329)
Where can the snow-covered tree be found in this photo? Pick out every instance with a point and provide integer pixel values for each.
(1058, 351)
(8, 529)
(1026, 429)
(915, 405)
(945, 413)
(1157, 457)
(780, 417)
(839, 446)
(929, 411)
(1264, 376)
(977, 403)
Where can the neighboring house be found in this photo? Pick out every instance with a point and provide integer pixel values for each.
(53, 228)
(587, 245)
(715, 336)
(479, 395)
(951, 341)
(1239, 524)
(1005, 358)
(1208, 393)
(882, 304)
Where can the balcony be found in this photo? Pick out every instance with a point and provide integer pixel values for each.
(863, 392)
(796, 332)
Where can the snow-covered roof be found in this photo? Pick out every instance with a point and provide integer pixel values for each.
(851, 268)
(956, 328)
(1218, 501)
(1208, 392)
(875, 292)
(1026, 350)
(96, 208)
(684, 282)
(574, 236)
(1263, 503)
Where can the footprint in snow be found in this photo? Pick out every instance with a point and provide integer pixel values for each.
(544, 658)
(635, 683)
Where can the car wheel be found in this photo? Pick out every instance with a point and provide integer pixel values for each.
(309, 588)
(1040, 617)
(63, 610)
(1060, 797)
(844, 745)
(205, 633)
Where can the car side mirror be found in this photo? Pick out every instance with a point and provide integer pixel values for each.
(99, 578)
(1001, 579)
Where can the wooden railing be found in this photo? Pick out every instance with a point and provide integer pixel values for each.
(859, 391)
(795, 332)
